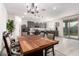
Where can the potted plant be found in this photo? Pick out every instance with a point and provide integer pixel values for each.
(10, 25)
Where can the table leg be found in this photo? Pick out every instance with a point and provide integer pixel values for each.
(45, 52)
(53, 50)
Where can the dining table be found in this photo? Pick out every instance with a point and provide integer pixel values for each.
(33, 45)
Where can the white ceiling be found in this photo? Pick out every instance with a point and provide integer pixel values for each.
(61, 9)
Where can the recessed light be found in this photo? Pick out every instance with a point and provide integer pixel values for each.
(25, 13)
(43, 9)
(54, 8)
(22, 16)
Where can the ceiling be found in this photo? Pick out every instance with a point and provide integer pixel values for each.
(46, 10)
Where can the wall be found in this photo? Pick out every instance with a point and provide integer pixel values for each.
(24, 22)
(17, 24)
(3, 20)
(51, 26)
(60, 28)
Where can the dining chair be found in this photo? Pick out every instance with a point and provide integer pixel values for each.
(41, 34)
(52, 37)
(11, 51)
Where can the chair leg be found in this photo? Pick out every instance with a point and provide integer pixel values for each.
(53, 51)
(45, 52)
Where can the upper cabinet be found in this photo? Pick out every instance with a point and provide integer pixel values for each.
(36, 24)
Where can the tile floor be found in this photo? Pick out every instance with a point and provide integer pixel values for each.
(68, 47)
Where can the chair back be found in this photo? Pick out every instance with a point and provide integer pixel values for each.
(51, 35)
(5, 35)
(42, 34)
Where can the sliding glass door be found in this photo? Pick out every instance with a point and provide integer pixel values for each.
(66, 29)
(71, 28)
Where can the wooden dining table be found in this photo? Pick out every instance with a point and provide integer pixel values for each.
(34, 45)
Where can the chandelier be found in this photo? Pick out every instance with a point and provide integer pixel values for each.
(32, 9)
